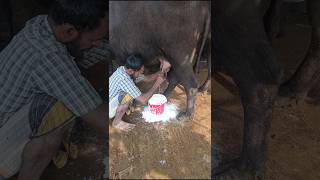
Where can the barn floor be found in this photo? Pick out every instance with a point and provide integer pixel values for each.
(159, 151)
(294, 140)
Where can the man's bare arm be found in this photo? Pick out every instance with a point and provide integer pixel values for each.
(151, 77)
(164, 68)
(97, 118)
(143, 99)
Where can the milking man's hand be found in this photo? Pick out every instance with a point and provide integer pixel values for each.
(164, 65)
(160, 79)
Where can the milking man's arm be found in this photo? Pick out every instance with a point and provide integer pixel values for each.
(143, 99)
(164, 65)
(151, 77)
(164, 68)
(97, 119)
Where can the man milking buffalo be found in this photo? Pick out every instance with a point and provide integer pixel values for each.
(42, 89)
(123, 90)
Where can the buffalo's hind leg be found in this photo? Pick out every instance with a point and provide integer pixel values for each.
(308, 73)
(191, 94)
(206, 85)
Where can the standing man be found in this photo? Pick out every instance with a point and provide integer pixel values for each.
(122, 88)
(42, 89)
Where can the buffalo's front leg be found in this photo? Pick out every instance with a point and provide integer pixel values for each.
(172, 84)
(242, 47)
(257, 104)
(187, 79)
(308, 73)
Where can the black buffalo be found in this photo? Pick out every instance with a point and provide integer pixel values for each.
(175, 30)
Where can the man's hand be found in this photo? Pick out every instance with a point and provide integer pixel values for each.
(143, 99)
(160, 79)
(164, 65)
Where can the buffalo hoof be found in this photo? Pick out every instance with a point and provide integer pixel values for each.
(285, 102)
(232, 170)
(202, 94)
(287, 97)
(236, 174)
(203, 88)
(224, 167)
(290, 101)
(184, 116)
(231, 174)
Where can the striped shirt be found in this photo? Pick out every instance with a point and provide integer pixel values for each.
(121, 81)
(34, 62)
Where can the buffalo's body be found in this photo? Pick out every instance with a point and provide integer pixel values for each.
(170, 29)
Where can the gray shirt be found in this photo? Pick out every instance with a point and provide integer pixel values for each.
(121, 81)
(35, 62)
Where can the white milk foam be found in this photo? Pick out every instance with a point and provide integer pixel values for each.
(170, 112)
(157, 99)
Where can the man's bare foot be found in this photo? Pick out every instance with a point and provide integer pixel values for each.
(124, 126)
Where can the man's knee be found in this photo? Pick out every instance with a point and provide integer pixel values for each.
(122, 108)
(125, 98)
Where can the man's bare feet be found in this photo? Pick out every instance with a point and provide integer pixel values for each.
(124, 126)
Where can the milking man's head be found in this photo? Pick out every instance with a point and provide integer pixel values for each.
(134, 65)
(80, 24)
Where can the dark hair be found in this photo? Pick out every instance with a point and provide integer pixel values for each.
(83, 14)
(134, 62)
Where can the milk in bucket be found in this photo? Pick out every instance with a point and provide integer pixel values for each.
(156, 104)
(159, 109)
